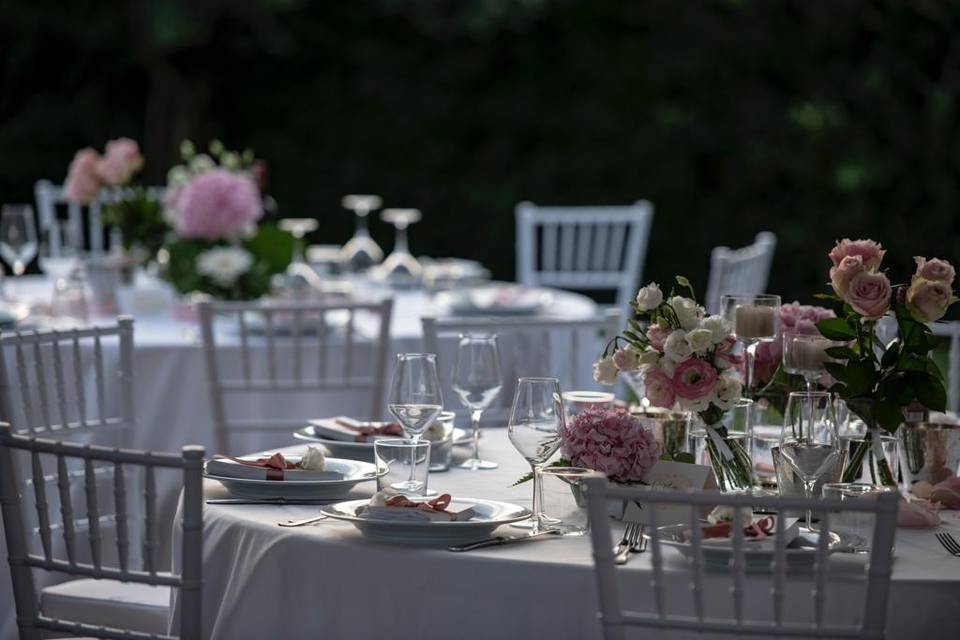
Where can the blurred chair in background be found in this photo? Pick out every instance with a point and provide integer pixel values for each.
(740, 271)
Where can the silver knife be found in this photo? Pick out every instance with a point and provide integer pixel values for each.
(498, 540)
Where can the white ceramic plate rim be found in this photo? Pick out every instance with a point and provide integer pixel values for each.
(340, 511)
(670, 529)
(304, 434)
(372, 473)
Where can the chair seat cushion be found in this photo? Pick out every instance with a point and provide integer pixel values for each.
(123, 605)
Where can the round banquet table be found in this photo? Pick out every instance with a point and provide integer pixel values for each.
(326, 580)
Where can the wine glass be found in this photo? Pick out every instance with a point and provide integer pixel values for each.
(477, 381)
(806, 355)
(18, 236)
(59, 253)
(401, 268)
(809, 442)
(754, 318)
(536, 424)
(415, 398)
(299, 274)
(361, 252)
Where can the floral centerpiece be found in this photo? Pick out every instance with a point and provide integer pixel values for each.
(878, 381)
(217, 245)
(686, 360)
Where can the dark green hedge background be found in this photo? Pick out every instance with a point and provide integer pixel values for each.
(816, 120)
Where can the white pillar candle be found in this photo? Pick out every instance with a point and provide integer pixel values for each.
(755, 321)
(805, 354)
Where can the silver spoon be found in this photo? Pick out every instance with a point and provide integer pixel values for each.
(305, 521)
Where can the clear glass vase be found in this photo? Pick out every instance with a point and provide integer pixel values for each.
(726, 449)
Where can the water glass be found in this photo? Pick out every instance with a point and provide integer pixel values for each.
(440, 436)
(671, 429)
(564, 506)
(809, 444)
(855, 527)
(18, 236)
(477, 381)
(68, 306)
(402, 465)
(415, 399)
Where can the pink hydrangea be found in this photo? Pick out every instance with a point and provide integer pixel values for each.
(612, 442)
(217, 204)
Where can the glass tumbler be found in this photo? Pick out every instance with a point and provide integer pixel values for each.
(854, 527)
(564, 506)
(402, 465)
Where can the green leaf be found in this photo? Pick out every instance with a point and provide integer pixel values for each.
(860, 377)
(837, 370)
(930, 391)
(271, 246)
(683, 282)
(841, 353)
(836, 329)
(910, 362)
(889, 414)
(686, 458)
(891, 354)
(827, 296)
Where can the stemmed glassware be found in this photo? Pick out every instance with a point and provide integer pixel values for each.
(59, 254)
(298, 271)
(401, 268)
(809, 442)
(18, 236)
(477, 381)
(805, 355)
(754, 318)
(415, 399)
(536, 424)
(361, 252)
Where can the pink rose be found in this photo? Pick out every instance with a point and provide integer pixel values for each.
(659, 388)
(842, 274)
(625, 359)
(871, 252)
(928, 300)
(121, 160)
(935, 270)
(83, 183)
(869, 294)
(217, 204)
(694, 379)
(657, 335)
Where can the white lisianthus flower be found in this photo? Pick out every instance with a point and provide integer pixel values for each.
(727, 390)
(224, 265)
(699, 340)
(698, 405)
(187, 150)
(313, 459)
(605, 371)
(648, 357)
(230, 160)
(676, 348)
(625, 359)
(718, 327)
(178, 176)
(668, 367)
(201, 162)
(649, 297)
(688, 312)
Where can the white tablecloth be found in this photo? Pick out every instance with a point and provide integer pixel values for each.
(325, 580)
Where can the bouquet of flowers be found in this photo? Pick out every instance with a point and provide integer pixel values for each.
(217, 245)
(879, 381)
(686, 360)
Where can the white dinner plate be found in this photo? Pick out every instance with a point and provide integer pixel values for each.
(800, 553)
(490, 514)
(495, 299)
(360, 450)
(354, 472)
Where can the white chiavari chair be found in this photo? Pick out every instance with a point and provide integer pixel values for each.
(83, 613)
(740, 271)
(951, 331)
(719, 603)
(272, 347)
(536, 346)
(584, 248)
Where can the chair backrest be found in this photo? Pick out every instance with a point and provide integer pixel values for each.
(709, 610)
(534, 346)
(951, 330)
(349, 341)
(742, 271)
(45, 375)
(30, 620)
(584, 247)
(49, 196)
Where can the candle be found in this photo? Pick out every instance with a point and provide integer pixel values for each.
(806, 354)
(755, 321)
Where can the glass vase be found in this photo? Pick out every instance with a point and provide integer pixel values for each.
(725, 447)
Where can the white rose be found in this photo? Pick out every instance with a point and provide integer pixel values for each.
(224, 265)
(648, 357)
(688, 312)
(727, 391)
(699, 340)
(313, 459)
(605, 371)
(676, 348)
(718, 328)
(649, 297)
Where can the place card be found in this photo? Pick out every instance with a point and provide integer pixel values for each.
(672, 476)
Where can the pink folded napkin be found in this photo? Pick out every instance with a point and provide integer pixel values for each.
(350, 430)
(916, 516)
(945, 493)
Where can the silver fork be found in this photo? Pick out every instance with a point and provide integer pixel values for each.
(634, 535)
(949, 543)
(625, 540)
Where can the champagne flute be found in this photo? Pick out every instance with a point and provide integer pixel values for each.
(809, 442)
(415, 399)
(477, 381)
(536, 424)
(18, 236)
(754, 318)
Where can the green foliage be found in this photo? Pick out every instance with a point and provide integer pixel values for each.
(140, 220)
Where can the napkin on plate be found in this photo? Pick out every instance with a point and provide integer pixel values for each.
(350, 430)
(276, 467)
(401, 508)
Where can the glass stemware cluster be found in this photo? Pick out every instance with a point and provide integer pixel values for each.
(753, 318)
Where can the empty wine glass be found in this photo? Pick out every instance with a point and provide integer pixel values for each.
(299, 274)
(59, 252)
(477, 381)
(415, 398)
(401, 268)
(809, 443)
(754, 318)
(18, 236)
(806, 355)
(536, 424)
(361, 252)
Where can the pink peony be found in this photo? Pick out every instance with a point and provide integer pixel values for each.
(217, 204)
(928, 300)
(659, 388)
(121, 160)
(657, 336)
(694, 379)
(871, 252)
(935, 270)
(83, 183)
(612, 442)
(869, 294)
(842, 274)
